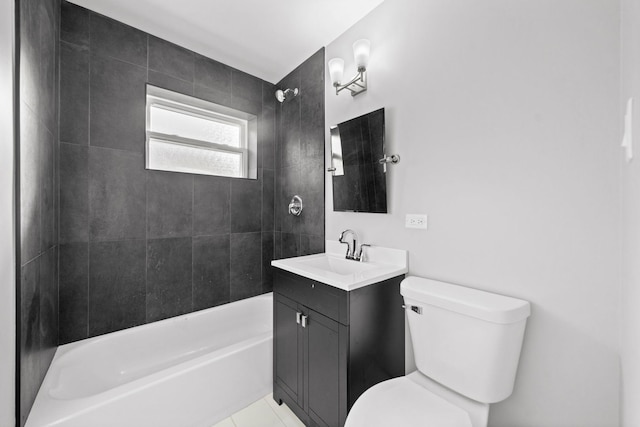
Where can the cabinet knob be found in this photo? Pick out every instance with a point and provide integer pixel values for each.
(305, 321)
(298, 317)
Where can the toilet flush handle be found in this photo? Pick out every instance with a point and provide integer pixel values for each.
(414, 308)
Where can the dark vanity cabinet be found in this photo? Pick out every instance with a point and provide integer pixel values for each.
(330, 345)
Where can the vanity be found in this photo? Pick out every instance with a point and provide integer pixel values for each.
(338, 329)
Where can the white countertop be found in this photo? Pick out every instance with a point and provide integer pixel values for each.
(333, 269)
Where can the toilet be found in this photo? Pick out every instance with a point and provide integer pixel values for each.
(466, 345)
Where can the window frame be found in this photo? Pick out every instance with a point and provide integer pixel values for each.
(195, 107)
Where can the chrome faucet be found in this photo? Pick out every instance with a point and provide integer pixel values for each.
(351, 246)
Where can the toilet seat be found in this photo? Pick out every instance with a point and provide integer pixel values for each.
(402, 402)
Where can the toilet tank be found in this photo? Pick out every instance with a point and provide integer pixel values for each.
(465, 339)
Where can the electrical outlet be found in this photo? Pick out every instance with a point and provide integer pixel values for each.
(416, 221)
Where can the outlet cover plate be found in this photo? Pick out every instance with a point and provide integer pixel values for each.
(416, 221)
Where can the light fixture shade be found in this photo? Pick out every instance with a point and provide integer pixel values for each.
(361, 50)
(336, 70)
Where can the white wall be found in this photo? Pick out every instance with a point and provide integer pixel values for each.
(7, 252)
(630, 185)
(505, 115)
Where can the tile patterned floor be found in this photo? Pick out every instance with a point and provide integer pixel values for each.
(263, 413)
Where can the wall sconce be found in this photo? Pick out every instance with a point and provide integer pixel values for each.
(357, 84)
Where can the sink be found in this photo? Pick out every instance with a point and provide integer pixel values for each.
(333, 269)
(336, 265)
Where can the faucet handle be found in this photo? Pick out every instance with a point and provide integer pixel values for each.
(361, 255)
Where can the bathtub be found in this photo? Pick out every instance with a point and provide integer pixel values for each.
(191, 370)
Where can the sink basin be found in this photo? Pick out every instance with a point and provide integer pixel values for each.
(333, 269)
(336, 265)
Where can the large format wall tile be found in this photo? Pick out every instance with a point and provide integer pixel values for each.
(312, 74)
(116, 195)
(169, 278)
(74, 193)
(165, 81)
(171, 59)
(268, 254)
(74, 94)
(118, 98)
(49, 302)
(211, 205)
(222, 97)
(246, 210)
(246, 91)
(247, 87)
(312, 123)
(289, 245)
(269, 95)
(211, 264)
(310, 245)
(74, 292)
(268, 195)
(48, 103)
(74, 25)
(30, 362)
(290, 132)
(48, 226)
(116, 285)
(30, 179)
(267, 142)
(117, 40)
(212, 74)
(30, 72)
(169, 204)
(246, 265)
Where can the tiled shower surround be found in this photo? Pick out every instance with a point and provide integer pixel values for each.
(37, 286)
(300, 161)
(137, 245)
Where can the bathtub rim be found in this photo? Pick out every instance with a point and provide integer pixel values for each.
(59, 408)
(67, 348)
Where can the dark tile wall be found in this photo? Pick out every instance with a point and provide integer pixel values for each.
(38, 253)
(300, 161)
(138, 246)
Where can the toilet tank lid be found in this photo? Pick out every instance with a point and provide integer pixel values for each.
(471, 302)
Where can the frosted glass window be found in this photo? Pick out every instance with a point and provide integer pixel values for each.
(191, 135)
(180, 123)
(174, 157)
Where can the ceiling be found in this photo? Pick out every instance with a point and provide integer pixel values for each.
(266, 38)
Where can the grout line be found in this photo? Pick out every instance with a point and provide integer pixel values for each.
(89, 239)
(277, 413)
(193, 243)
(274, 412)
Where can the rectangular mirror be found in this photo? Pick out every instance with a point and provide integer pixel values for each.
(191, 135)
(359, 179)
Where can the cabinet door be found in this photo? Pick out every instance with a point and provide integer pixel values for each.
(325, 371)
(288, 337)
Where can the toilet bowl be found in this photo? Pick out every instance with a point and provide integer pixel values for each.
(467, 346)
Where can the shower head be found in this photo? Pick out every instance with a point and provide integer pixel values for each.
(283, 95)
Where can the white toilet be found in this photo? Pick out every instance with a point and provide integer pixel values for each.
(466, 344)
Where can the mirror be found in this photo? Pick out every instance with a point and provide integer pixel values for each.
(359, 180)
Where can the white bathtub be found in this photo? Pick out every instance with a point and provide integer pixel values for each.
(192, 370)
